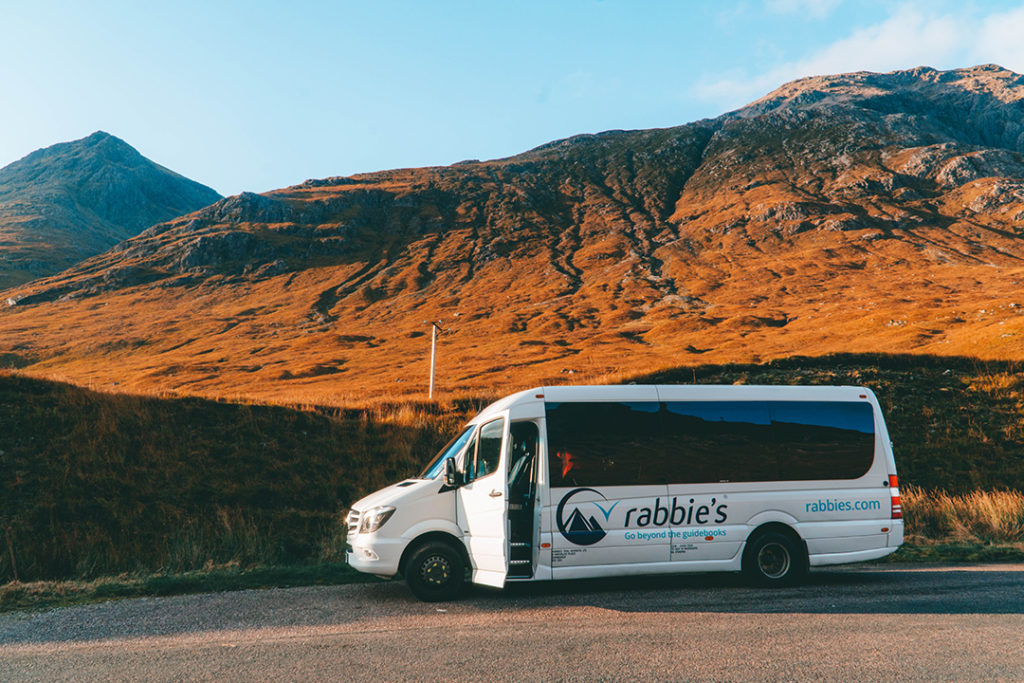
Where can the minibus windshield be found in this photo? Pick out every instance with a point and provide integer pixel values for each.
(452, 449)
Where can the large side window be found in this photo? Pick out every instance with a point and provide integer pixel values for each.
(833, 440)
(488, 450)
(603, 444)
(695, 442)
(716, 441)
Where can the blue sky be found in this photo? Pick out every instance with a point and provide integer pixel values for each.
(260, 95)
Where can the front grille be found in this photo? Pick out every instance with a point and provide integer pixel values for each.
(352, 520)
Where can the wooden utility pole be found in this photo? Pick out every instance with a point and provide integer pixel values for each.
(10, 550)
(434, 328)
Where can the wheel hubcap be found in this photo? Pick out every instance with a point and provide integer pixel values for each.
(773, 560)
(436, 570)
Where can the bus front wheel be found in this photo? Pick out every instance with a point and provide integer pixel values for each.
(774, 559)
(435, 572)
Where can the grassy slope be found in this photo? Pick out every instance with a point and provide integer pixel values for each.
(95, 484)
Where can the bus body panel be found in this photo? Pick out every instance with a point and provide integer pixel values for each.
(607, 527)
(420, 508)
(596, 529)
(481, 516)
(603, 571)
(432, 525)
(824, 559)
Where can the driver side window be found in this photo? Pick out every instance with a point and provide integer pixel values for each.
(487, 452)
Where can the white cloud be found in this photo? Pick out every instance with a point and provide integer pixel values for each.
(817, 9)
(908, 38)
(1000, 41)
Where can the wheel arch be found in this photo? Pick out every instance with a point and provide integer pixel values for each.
(778, 527)
(781, 528)
(428, 537)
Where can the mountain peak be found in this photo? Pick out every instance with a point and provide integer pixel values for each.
(1005, 85)
(102, 139)
(976, 106)
(98, 148)
(66, 202)
(94, 139)
(992, 80)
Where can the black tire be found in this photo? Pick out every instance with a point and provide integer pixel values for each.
(774, 559)
(435, 572)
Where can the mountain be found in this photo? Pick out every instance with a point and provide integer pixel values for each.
(64, 203)
(853, 213)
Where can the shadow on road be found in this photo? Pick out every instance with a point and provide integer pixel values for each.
(871, 590)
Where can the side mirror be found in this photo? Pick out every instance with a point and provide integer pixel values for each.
(452, 477)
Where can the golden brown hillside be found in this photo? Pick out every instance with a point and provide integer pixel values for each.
(853, 213)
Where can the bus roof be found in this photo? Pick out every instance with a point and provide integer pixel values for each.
(679, 392)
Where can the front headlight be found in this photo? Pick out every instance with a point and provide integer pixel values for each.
(374, 519)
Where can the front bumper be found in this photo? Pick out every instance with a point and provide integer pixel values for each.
(380, 557)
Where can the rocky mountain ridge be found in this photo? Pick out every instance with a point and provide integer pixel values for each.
(859, 212)
(64, 203)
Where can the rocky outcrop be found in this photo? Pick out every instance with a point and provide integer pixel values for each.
(853, 153)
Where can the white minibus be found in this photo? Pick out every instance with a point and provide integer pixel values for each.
(595, 481)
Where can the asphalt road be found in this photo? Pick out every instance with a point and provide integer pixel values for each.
(846, 624)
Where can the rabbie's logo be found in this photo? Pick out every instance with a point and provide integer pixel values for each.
(582, 528)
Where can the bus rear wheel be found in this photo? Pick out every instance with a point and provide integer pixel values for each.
(774, 559)
(435, 572)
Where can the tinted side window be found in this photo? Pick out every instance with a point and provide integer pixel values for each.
(603, 444)
(713, 441)
(692, 442)
(834, 440)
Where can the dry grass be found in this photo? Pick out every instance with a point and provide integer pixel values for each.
(95, 483)
(935, 516)
(16, 595)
